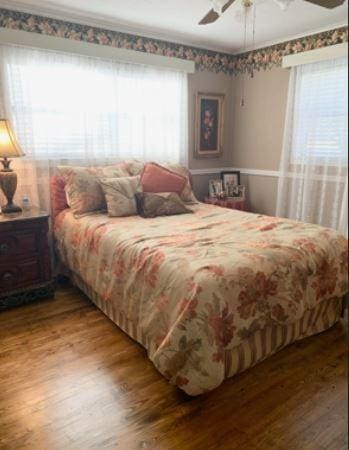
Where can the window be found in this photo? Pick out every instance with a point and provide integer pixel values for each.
(70, 107)
(320, 114)
(313, 183)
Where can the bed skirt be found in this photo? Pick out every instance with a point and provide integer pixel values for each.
(259, 346)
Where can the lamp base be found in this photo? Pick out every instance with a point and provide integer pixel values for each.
(8, 184)
(10, 208)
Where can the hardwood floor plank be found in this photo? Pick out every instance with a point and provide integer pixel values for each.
(70, 379)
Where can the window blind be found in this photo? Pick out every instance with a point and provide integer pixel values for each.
(76, 107)
(321, 113)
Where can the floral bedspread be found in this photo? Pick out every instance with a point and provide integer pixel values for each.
(198, 284)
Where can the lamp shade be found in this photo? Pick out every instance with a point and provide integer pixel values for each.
(9, 147)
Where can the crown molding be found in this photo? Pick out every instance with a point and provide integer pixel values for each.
(289, 38)
(101, 21)
(56, 26)
(58, 44)
(104, 22)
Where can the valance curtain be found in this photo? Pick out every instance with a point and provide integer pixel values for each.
(313, 185)
(69, 109)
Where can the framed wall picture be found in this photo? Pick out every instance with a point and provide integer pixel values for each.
(230, 178)
(209, 125)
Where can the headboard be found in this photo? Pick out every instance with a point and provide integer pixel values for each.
(58, 196)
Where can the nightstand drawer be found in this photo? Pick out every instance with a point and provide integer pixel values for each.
(12, 244)
(14, 276)
(25, 262)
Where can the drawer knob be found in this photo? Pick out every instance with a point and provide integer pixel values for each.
(4, 248)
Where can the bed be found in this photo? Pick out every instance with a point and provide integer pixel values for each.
(208, 294)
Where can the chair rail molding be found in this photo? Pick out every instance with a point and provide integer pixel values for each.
(252, 172)
(264, 173)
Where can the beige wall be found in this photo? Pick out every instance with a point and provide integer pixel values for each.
(253, 133)
(258, 126)
(261, 193)
(258, 129)
(200, 185)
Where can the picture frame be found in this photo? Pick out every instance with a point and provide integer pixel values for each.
(214, 188)
(209, 125)
(230, 177)
(236, 192)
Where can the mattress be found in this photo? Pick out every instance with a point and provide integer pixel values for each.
(211, 293)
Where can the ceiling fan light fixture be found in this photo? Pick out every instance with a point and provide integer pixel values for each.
(218, 6)
(284, 4)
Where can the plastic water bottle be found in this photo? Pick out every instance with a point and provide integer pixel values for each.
(26, 205)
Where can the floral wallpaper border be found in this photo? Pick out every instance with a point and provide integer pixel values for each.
(269, 57)
(265, 58)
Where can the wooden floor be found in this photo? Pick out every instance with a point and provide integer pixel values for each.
(70, 379)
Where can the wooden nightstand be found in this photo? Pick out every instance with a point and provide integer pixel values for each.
(25, 263)
(241, 205)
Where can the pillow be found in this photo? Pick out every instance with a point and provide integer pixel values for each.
(58, 197)
(187, 194)
(160, 204)
(120, 195)
(134, 167)
(83, 189)
(156, 179)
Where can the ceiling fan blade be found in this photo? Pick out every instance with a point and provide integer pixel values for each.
(227, 5)
(212, 16)
(329, 4)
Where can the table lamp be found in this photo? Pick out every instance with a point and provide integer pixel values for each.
(9, 148)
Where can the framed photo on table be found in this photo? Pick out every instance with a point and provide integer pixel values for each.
(231, 178)
(209, 125)
(214, 188)
(236, 192)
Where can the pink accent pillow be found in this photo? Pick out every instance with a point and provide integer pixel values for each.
(58, 196)
(156, 179)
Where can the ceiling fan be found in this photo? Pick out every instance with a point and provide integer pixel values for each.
(220, 7)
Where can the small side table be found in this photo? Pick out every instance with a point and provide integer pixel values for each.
(25, 263)
(240, 205)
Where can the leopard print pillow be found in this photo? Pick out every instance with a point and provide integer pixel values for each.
(152, 205)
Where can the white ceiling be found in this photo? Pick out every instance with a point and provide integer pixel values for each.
(177, 20)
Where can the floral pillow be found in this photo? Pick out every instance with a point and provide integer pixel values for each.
(120, 195)
(134, 167)
(83, 188)
(152, 205)
(187, 194)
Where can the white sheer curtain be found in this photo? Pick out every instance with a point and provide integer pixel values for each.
(68, 109)
(313, 186)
